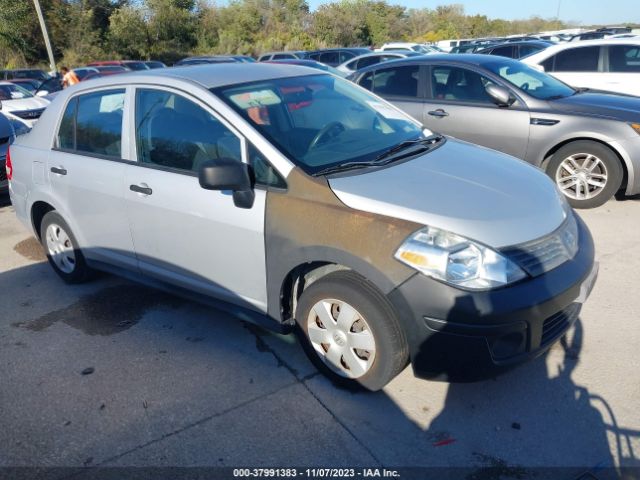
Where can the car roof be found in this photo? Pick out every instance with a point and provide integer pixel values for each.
(547, 52)
(473, 59)
(212, 75)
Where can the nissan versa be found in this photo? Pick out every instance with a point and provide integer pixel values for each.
(295, 198)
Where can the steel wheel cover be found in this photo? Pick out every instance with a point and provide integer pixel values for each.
(341, 337)
(60, 248)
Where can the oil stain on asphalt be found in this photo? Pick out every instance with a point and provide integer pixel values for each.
(106, 312)
(31, 249)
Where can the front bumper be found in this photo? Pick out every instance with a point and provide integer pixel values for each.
(458, 335)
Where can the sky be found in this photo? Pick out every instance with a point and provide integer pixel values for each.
(584, 12)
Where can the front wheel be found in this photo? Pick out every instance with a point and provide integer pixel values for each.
(587, 173)
(350, 332)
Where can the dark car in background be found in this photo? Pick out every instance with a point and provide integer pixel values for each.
(151, 64)
(310, 64)
(516, 49)
(587, 141)
(33, 73)
(6, 136)
(130, 64)
(205, 59)
(335, 56)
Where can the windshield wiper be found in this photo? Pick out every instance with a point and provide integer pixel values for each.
(428, 141)
(387, 157)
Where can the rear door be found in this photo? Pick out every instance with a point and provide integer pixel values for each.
(578, 66)
(86, 172)
(402, 85)
(194, 238)
(622, 69)
(458, 105)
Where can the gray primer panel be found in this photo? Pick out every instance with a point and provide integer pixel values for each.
(309, 224)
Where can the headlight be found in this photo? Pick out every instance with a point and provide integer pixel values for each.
(457, 260)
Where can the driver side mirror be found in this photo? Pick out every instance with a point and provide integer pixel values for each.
(500, 95)
(229, 174)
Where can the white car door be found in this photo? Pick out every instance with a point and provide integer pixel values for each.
(622, 74)
(580, 67)
(183, 234)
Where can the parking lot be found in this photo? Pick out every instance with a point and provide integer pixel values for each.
(110, 373)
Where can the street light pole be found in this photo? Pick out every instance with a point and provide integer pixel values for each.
(45, 34)
(558, 12)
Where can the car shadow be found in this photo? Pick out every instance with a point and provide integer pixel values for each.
(534, 421)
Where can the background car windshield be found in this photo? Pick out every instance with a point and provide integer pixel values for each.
(13, 92)
(319, 120)
(535, 83)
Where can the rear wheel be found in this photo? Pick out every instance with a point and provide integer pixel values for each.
(587, 173)
(62, 250)
(350, 332)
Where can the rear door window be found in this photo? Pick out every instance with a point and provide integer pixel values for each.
(624, 58)
(505, 51)
(330, 58)
(581, 59)
(401, 81)
(92, 124)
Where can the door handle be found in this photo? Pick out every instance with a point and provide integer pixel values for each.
(438, 113)
(59, 170)
(140, 189)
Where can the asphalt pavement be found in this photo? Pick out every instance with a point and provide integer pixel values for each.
(110, 373)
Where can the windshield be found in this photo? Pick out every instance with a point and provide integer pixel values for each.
(321, 121)
(13, 92)
(136, 66)
(535, 83)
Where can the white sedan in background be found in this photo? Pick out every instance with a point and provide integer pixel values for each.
(612, 65)
(21, 103)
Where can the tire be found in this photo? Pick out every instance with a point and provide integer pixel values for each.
(369, 369)
(593, 163)
(62, 250)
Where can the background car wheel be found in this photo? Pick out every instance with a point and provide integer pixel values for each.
(62, 250)
(350, 332)
(588, 173)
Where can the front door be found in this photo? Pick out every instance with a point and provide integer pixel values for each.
(195, 238)
(458, 105)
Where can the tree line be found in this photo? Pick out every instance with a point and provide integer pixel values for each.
(167, 30)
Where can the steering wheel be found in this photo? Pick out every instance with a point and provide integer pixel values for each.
(324, 131)
(525, 86)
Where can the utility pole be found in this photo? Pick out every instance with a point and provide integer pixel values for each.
(45, 34)
(558, 12)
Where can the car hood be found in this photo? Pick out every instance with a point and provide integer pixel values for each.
(479, 193)
(625, 108)
(20, 104)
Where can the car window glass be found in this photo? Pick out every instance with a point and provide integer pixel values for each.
(397, 81)
(583, 59)
(366, 81)
(66, 132)
(459, 84)
(174, 132)
(527, 50)
(99, 123)
(506, 51)
(344, 56)
(330, 58)
(283, 56)
(624, 58)
(264, 172)
(366, 61)
(314, 56)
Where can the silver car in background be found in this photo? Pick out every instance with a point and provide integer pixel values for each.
(299, 201)
(587, 141)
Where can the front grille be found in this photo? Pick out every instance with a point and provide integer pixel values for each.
(556, 325)
(29, 114)
(546, 253)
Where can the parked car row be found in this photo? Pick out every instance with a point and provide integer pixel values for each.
(301, 202)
